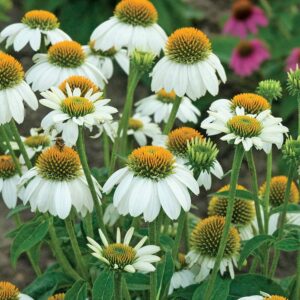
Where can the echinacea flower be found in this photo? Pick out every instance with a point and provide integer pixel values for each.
(57, 183)
(111, 215)
(152, 172)
(103, 60)
(189, 66)
(35, 26)
(293, 60)
(261, 130)
(277, 191)
(245, 18)
(205, 241)
(120, 256)
(248, 56)
(133, 26)
(243, 211)
(74, 109)
(160, 105)
(141, 127)
(13, 90)
(63, 59)
(9, 291)
(263, 296)
(59, 296)
(8, 181)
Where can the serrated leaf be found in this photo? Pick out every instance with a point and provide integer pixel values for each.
(103, 288)
(78, 291)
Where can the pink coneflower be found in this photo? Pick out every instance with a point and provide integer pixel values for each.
(293, 60)
(248, 56)
(245, 18)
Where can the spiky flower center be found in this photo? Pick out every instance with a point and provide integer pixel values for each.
(7, 167)
(243, 211)
(165, 97)
(77, 106)
(59, 163)
(35, 141)
(60, 296)
(277, 191)
(275, 297)
(242, 9)
(151, 162)
(40, 19)
(178, 139)
(206, 237)
(136, 12)
(135, 124)
(119, 255)
(108, 53)
(11, 71)
(66, 54)
(8, 291)
(188, 46)
(201, 154)
(244, 126)
(252, 103)
(81, 82)
(244, 49)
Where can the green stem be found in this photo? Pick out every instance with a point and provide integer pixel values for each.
(58, 253)
(252, 169)
(180, 227)
(237, 161)
(118, 285)
(125, 290)
(76, 249)
(10, 149)
(298, 115)
(297, 295)
(22, 149)
(89, 225)
(153, 278)
(172, 116)
(84, 162)
(106, 150)
(282, 219)
(186, 234)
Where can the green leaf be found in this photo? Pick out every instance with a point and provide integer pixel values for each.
(165, 270)
(137, 281)
(288, 245)
(103, 288)
(221, 289)
(254, 244)
(223, 46)
(17, 210)
(78, 291)
(166, 242)
(250, 284)
(291, 208)
(30, 235)
(243, 195)
(184, 294)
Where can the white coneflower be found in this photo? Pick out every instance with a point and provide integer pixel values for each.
(189, 66)
(133, 26)
(264, 296)
(74, 109)
(63, 59)
(244, 215)
(35, 26)
(261, 130)
(104, 59)
(120, 256)
(152, 171)
(57, 183)
(9, 291)
(13, 90)
(160, 105)
(141, 127)
(8, 181)
(205, 241)
(111, 215)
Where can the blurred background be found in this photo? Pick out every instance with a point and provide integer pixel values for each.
(79, 18)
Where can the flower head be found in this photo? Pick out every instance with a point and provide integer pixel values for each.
(293, 60)
(8, 291)
(120, 256)
(293, 81)
(205, 241)
(188, 55)
(60, 296)
(252, 103)
(291, 150)
(152, 171)
(248, 56)
(277, 191)
(245, 18)
(35, 26)
(270, 89)
(263, 296)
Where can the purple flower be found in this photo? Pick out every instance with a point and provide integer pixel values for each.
(245, 18)
(248, 56)
(293, 60)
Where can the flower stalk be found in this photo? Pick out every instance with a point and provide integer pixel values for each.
(153, 278)
(118, 285)
(172, 116)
